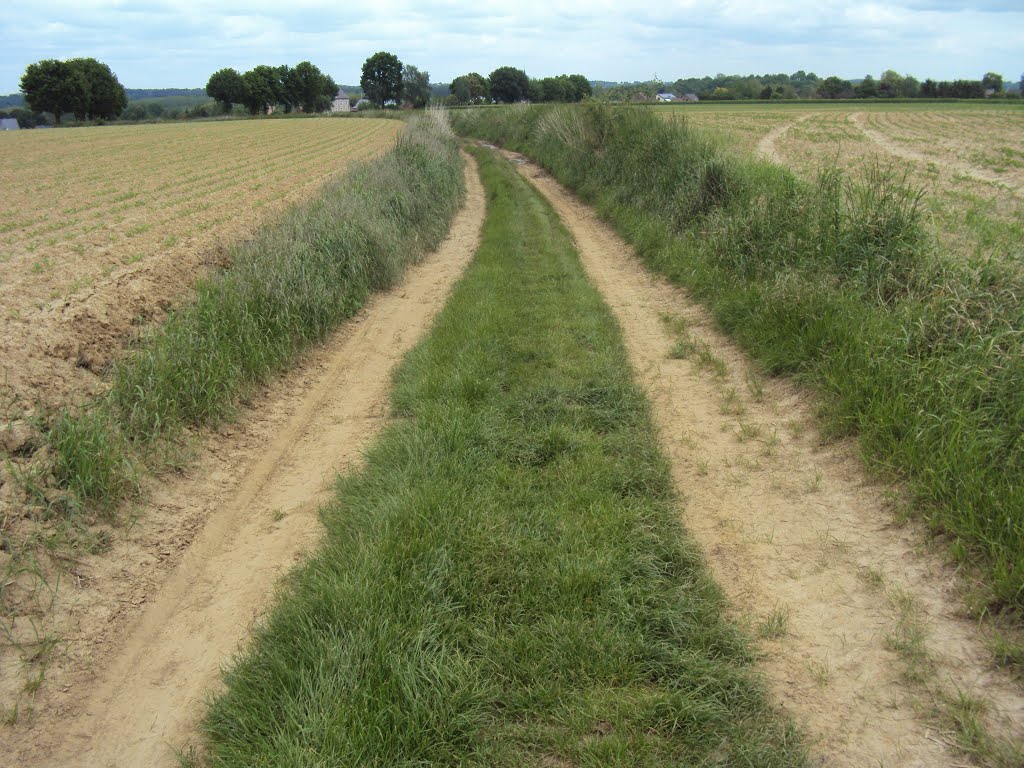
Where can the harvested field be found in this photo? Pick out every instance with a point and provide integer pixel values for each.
(965, 158)
(105, 226)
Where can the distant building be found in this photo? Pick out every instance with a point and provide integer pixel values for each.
(341, 102)
(9, 124)
(665, 98)
(689, 97)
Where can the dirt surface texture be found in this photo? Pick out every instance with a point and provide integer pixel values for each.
(152, 622)
(104, 228)
(803, 543)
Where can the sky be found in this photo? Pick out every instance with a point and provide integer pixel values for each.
(180, 44)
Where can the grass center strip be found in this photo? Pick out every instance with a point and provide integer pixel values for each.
(506, 582)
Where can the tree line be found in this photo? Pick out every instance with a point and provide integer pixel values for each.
(302, 87)
(807, 85)
(508, 85)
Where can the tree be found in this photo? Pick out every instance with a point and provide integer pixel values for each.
(307, 87)
(381, 80)
(262, 88)
(579, 87)
(415, 86)
(470, 89)
(867, 88)
(992, 81)
(835, 88)
(891, 84)
(227, 87)
(105, 95)
(509, 85)
(55, 86)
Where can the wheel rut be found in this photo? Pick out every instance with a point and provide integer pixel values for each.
(139, 699)
(803, 543)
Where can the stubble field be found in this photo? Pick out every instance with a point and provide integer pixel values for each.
(102, 227)
(967, 159)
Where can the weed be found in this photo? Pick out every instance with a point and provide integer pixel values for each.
(813, 485)
(732, 404)
(755, 387)
(748, 431)
(774, 625)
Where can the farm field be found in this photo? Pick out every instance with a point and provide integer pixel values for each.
(967, 159)
(101, 226)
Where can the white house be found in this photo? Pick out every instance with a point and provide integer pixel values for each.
(341, 102)
(665, 97)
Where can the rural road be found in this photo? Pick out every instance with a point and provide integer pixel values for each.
(145, 702)
(793, 529)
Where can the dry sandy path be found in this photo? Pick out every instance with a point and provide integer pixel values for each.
(892, 147)
(144, 700)
(790, 524)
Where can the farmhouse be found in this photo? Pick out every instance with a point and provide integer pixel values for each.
(9, 124)
(665, 97)
(341, 102)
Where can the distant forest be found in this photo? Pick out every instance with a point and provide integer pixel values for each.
(134, 94)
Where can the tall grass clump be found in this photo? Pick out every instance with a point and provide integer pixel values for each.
(506, 582)
(286, 288)
(837, 282)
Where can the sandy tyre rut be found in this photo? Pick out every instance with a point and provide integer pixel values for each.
(803, 544)
(144, 700)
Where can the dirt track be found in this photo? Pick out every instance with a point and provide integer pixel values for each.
(794, 527)
(788, 526)
(133, 694)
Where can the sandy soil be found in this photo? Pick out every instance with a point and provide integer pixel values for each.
(102, 229)
(150, 623)
(791, 526)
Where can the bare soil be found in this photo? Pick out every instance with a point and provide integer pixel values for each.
(146, 627)
(792, 527)
(104, 228)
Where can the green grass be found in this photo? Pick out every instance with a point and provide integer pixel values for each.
(506, 582)
(837, 282)
(286, 289)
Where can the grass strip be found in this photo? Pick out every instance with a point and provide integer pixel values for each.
(838, 283)
(506, 583)
(286, 288)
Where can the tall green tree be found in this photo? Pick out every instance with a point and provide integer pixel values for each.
(835, 88)
(993, 81)
(470, 89)
(415, 86)
(106, 96)
(55, 86)
(381, 79)
(262, 88)
(509, 85)
(307, 87)
(227, 87)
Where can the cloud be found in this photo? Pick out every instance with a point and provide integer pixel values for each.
(178, 43)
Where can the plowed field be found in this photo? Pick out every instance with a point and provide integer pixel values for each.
(103, 226)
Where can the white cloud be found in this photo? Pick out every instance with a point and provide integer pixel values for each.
(180, 42)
